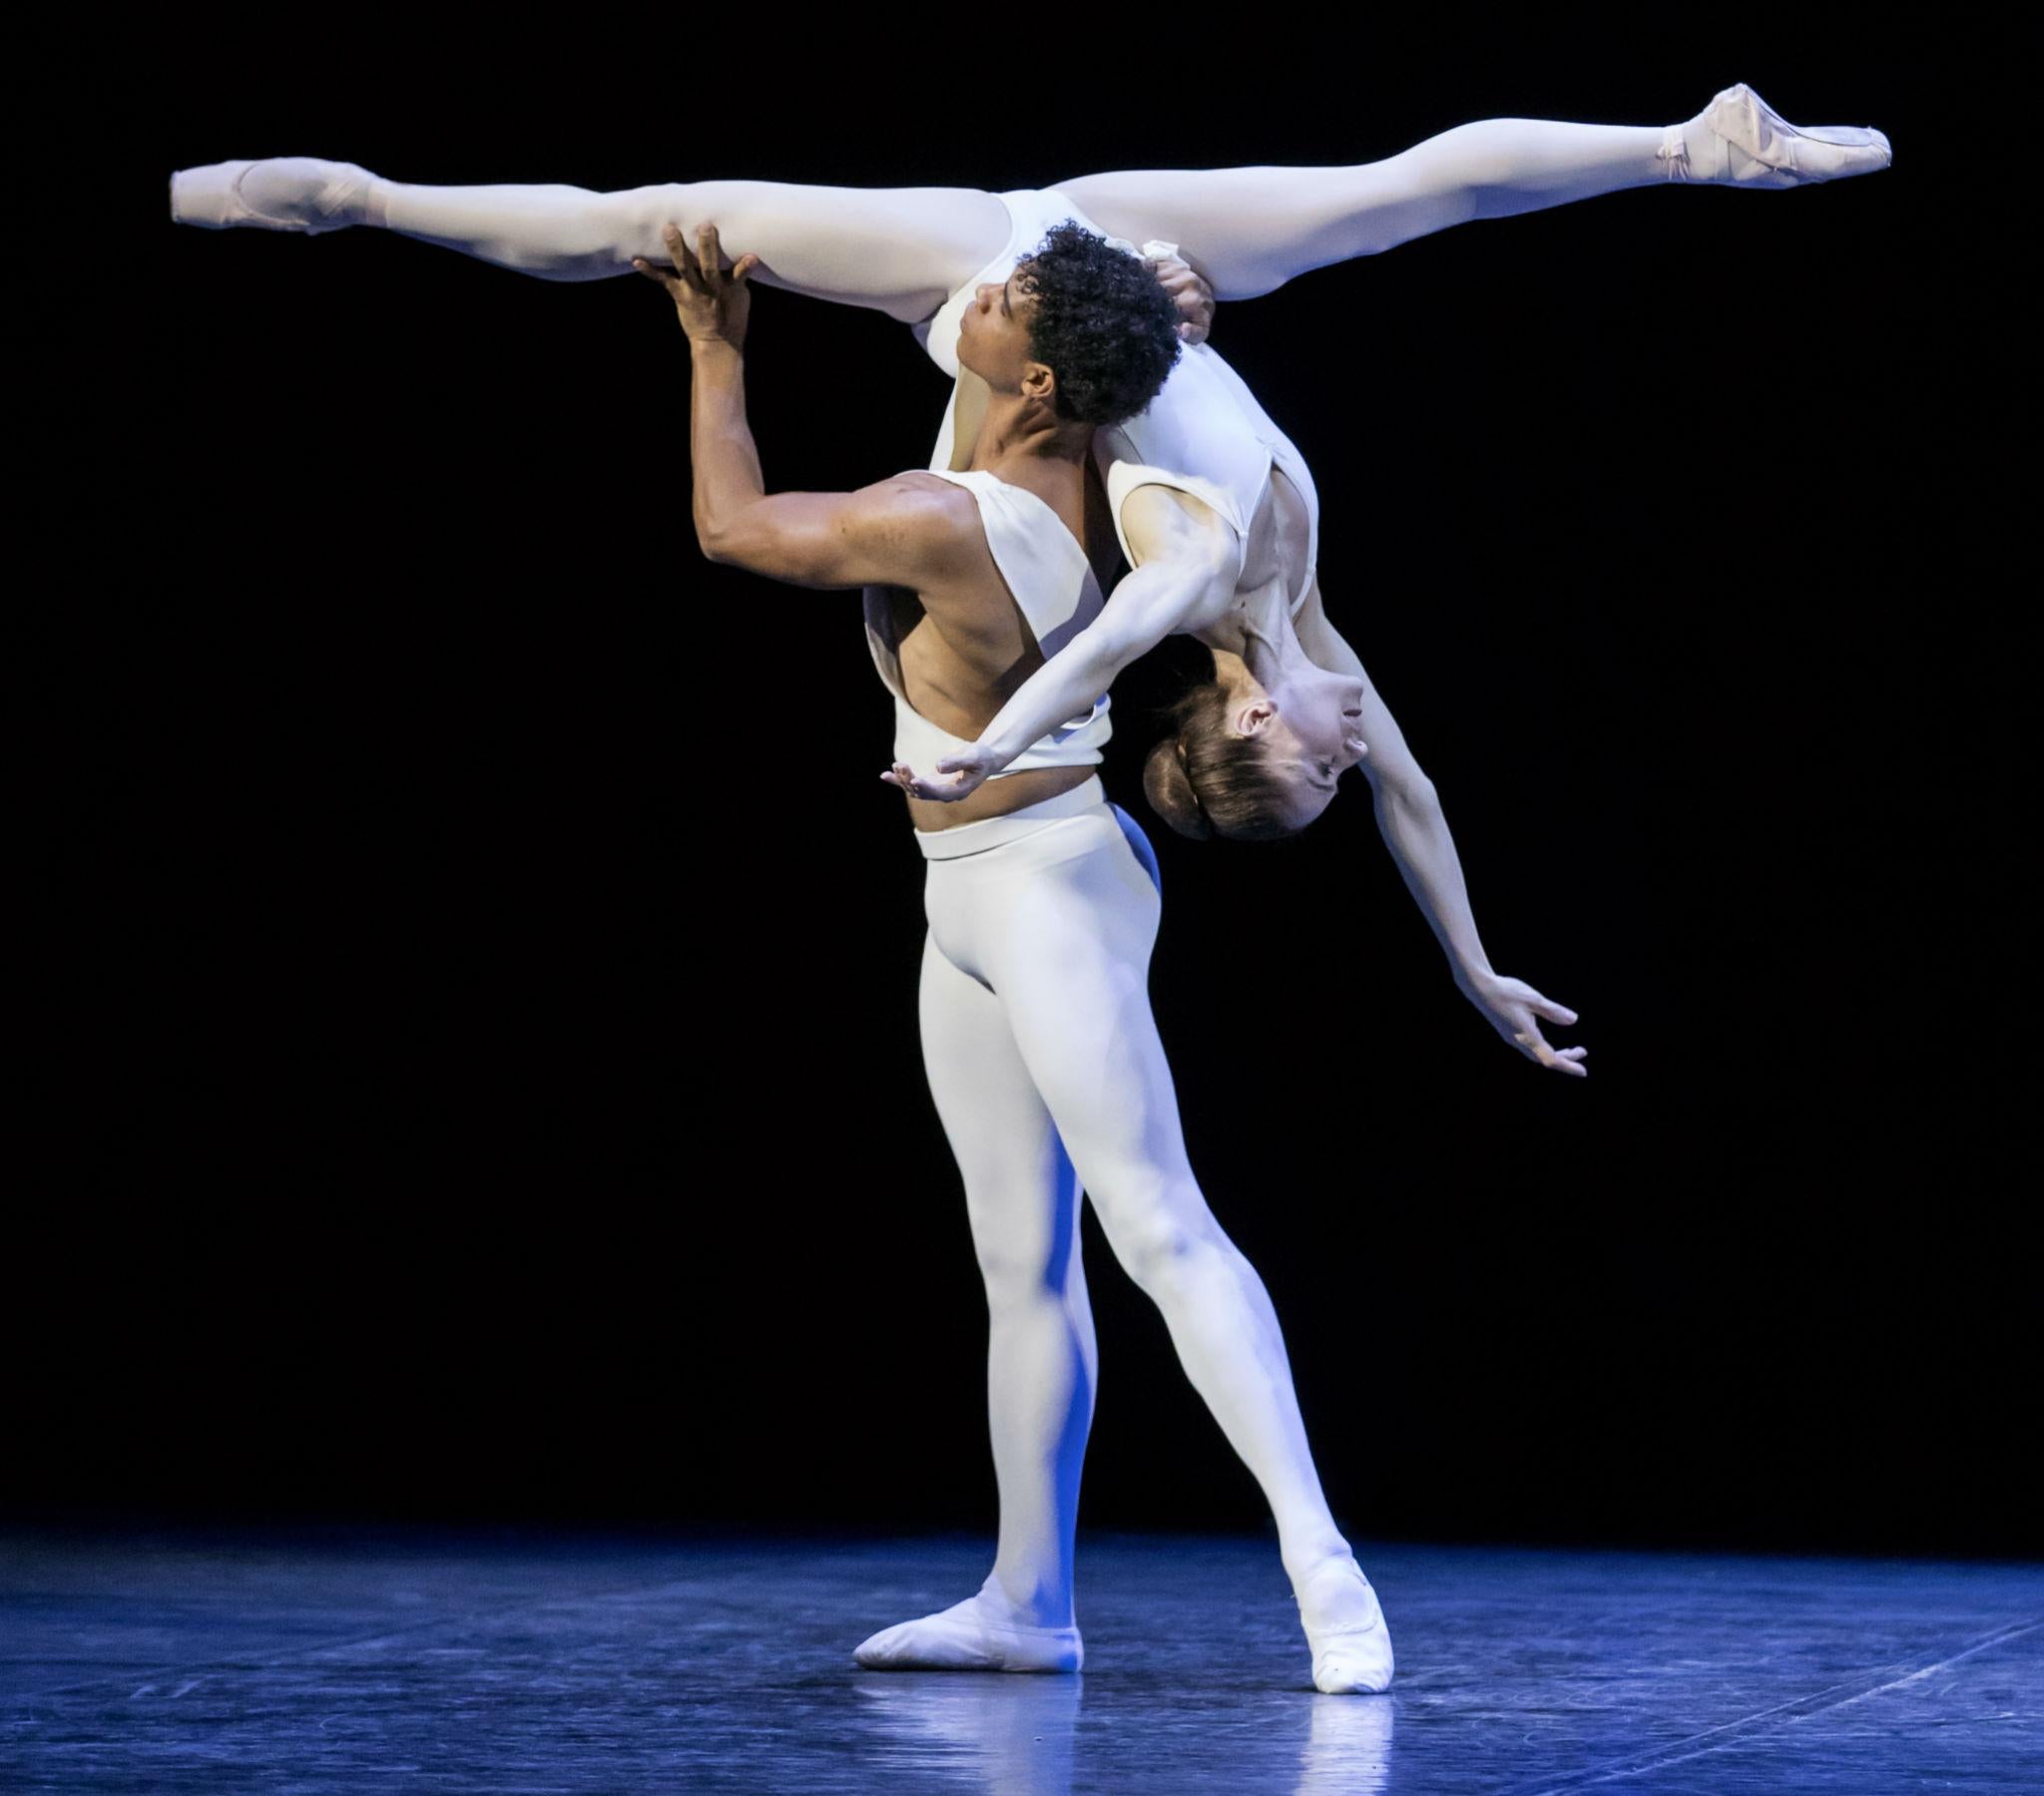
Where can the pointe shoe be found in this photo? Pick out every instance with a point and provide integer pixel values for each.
(211, 195)
(1353, 1660)
(1746, 143)
(967, 1637)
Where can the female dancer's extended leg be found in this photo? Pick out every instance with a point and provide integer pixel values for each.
(1252, 229)
(901, 251)
(904, 251)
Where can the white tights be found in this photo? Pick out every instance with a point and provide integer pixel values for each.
(1049, 1076)
(904, 251)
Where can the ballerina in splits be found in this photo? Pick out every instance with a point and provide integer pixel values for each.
(1042, 901)
(1213, 506)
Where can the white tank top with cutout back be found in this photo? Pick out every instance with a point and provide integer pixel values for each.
(1045, 570)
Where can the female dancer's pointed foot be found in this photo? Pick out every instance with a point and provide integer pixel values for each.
(1346, 1628)
(979, 1634)
(277, 193)
(1739, 139)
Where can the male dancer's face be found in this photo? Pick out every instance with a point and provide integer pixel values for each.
(994, 335)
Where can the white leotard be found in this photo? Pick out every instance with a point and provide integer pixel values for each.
(1047, 572)
(1204, 433)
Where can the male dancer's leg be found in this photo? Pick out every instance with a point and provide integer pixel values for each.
(1022, 1197)
(1067, 949)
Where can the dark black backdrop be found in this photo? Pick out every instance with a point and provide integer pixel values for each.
(472, 998)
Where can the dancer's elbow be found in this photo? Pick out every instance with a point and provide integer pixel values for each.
(730, 543)
(1401, 779)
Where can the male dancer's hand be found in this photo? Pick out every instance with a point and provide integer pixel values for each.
(1189, 288)
(1512, 1007)
(966, 772)
(714, 305)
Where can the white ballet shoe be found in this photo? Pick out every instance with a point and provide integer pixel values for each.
(1352, 1656)
(970, 1636)
(330, 195)
(1739, 139)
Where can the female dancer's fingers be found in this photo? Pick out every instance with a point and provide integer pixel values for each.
(1535, 1043)
(1553, 1012)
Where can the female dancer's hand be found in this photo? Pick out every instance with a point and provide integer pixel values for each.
(1189, 288)
(714, 305)
(968, 769)
(1513, 1009)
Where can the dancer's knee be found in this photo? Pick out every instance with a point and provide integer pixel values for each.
(1163, 1236)
(1017, 1282)
(1021, 1267)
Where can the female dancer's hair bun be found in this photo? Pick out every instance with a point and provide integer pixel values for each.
(1170, 791)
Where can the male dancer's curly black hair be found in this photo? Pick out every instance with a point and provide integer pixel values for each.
(1101, 323)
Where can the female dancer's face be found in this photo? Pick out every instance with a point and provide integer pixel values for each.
(1310, 726)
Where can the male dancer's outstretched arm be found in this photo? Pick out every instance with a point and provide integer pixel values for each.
(894, 533)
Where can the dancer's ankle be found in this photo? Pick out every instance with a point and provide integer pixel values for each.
(1302, 1560)
(1043, 1607)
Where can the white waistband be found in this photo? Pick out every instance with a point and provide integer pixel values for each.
(991, 832)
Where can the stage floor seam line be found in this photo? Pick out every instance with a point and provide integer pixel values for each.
(1763, 1721)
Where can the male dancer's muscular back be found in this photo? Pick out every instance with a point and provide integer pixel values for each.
(964, 642)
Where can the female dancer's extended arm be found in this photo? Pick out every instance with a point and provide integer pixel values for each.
(1415, 831)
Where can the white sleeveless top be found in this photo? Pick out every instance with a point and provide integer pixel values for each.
(1045, 570)
(1204, 433)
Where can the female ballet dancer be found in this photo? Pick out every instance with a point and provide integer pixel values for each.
(1043, 905)
(1213, 506)
(1257, 750)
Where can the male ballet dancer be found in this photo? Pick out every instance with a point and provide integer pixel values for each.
(1038, 1039)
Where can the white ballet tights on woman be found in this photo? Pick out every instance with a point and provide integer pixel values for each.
(904, 251)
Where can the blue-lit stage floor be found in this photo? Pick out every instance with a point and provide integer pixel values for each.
(515, 1662)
